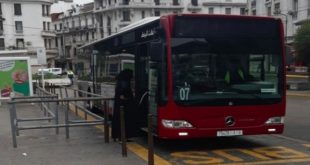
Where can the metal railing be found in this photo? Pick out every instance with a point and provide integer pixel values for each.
(61, 98)
(45, 99)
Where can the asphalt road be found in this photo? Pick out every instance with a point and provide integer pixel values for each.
(297, 118)
(292, 147)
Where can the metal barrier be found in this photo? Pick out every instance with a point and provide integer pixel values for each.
(45, 99)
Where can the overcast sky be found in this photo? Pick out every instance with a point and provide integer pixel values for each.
(61, 6)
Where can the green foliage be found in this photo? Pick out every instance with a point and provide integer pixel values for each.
(302, 43)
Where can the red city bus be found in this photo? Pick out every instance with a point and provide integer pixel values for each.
(206, 75)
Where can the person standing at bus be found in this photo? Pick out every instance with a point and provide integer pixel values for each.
(124, 97)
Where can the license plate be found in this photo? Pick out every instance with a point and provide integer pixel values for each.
(230, 133)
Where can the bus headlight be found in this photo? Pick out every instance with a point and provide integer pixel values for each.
(275, 120)
(176, 124)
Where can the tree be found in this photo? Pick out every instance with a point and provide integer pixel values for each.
(302, 43)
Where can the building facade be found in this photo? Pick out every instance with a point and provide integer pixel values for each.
(112, 15)
(292, 12)
(74, 28)
(25, 26)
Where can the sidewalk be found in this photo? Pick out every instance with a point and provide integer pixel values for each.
(302, 93)
(43, 147)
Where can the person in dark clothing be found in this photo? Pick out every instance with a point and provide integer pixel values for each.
(235, 72)
(124, 97)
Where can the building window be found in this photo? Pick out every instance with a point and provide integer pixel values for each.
(295, 9)
(45, 43)
(60, 26)
(253, 12)
(56, 42)
(211, 10)
(61, 41)
(0, 8)
(87, 36)
(17, 9)
(48, 8)
(1, 27)
(43, 10)
(20, 43)
(19, 26)
(93, 35)
(269, 11)
(308, 8)
(48, 26)
(195, 2)
(242, 11)
(44, 26)
(175, 2)
(55, 27)
(157, 2)
(277, 7)
(109, 31)
(228, 11)
(143, 14)
(157, 13)
(126, 15)
(2, 45)
(49, 43)
(125, 2)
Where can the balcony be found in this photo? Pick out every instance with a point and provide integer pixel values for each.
(124, 23)
(19, 32)
(194, 8)
(46, 33)
(140, 5)
(236, 4)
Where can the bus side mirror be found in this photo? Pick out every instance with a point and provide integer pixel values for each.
(156, 50)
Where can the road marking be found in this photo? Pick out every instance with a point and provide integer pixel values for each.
(133, 147)
(223, 153)
(297, 76)
(261, 154)
(143, 153)
(270, 162)
(279, 152)
(286, 155)
(297, 94)
(291, 139)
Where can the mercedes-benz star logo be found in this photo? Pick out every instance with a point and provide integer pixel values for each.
(230, 121)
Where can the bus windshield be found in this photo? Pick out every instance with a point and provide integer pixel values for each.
(226, 69)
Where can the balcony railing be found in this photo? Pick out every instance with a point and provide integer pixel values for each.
(48, 33)
(19, 31)
(131, 4)
(191, 7)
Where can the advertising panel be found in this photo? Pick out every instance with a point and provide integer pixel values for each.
(15, 77)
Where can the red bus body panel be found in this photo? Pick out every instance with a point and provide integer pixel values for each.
(207, 120)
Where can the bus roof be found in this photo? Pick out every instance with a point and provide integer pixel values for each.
(124, 29)
(152, 19)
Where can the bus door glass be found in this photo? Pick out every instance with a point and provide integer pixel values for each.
(154, 65)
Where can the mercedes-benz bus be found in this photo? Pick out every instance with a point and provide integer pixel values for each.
(205, 75)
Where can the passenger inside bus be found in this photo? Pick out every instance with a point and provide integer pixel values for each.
(235, 73)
